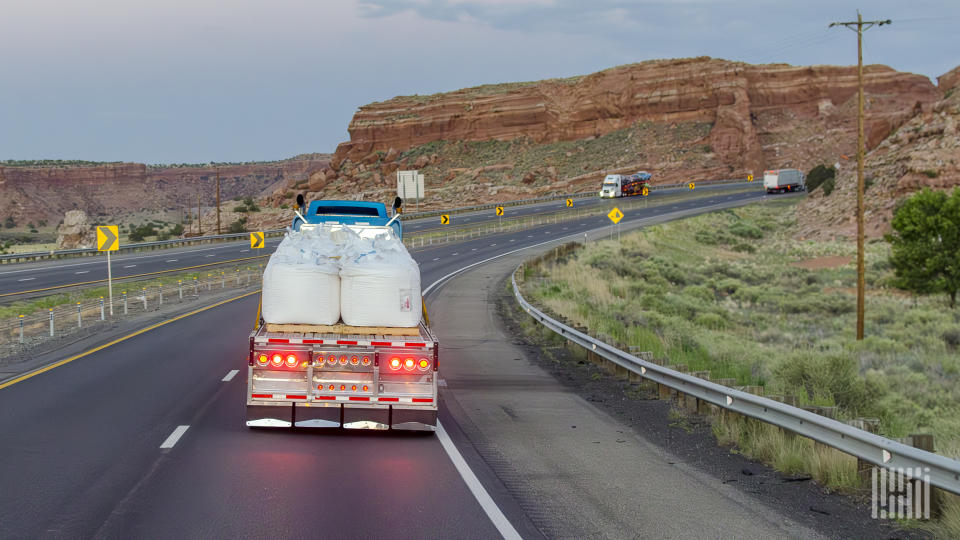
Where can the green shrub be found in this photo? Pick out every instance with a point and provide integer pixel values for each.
(930, 173)
(820, 174)
(826, 377)
(238, 226)
(706, 236)
(9, 223)
(828, 186)
(712, 321)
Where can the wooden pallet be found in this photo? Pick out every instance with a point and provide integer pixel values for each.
(342, 329)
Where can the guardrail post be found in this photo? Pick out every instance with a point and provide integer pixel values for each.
(21, 328)
(79, 319)
(180, 288)
(223, 280)
(51, 322)
(238, 277)
(196, 287)
(209, 283)
(144, 298)
(102, 314)
(124, 302)
(159, 296)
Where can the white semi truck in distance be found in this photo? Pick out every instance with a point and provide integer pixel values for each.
(783, 180)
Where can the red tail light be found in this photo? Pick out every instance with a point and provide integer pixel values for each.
(409, 364)
(366, 360)
(354, 360)
(292, 360)
(343, 360)
(394, 363)
(332, 359)
(277, 360)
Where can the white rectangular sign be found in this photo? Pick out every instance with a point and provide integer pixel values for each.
(409, 184)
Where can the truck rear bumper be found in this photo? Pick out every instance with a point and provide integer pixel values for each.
(303, 415)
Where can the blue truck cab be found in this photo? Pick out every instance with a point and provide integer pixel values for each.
(349, 213)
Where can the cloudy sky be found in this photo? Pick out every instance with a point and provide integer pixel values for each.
(205, 80)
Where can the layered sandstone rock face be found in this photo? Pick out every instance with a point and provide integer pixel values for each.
(924, 152)
(35, 193)
(754, 110)
(76, 231)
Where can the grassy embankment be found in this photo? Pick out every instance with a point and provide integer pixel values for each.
(734, 293)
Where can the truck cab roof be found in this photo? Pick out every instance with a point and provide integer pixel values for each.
(340, 212)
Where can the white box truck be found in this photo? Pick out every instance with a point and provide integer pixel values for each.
(783, 180)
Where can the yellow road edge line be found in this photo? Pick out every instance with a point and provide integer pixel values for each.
(59, 363)
(132, 276)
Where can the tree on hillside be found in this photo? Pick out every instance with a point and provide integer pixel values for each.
(926, 243)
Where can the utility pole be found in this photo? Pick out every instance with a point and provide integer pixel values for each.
(859, 26)
(199, 227)
(218, 200)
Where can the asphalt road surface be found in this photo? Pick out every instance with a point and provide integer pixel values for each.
(146, 439)
(42, 276)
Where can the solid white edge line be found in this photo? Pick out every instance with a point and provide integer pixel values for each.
(174, 437)
(493, 512)
(229, 376)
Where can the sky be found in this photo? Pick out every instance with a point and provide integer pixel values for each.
(194, 81)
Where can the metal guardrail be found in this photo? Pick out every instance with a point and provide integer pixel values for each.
(577, 195)
(56, 254)
(943, 472)
(52, 254)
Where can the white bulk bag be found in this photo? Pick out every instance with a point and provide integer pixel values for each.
(379, 284)
(301, 284)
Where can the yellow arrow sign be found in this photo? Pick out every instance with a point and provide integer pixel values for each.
(615, 215)
(108, 238)
(499, 210)
(692, 185)
(256, 240)
(645, 191)
(569, 203)
(444, 219)
(749, 178)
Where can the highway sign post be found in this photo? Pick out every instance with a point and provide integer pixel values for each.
(500, 214)
(256, 240)
(444, 219)
(615, 216)
(108, 239)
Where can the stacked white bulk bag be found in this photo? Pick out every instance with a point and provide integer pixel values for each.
(301, 284)
(379, 284)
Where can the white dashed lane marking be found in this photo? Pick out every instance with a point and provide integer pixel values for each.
(27, 279)
(130, 266)
(82, 272)
(174, 437)
(172, 260)
(436, 258)
(229, 376)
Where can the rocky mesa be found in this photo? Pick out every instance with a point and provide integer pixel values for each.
(688, 118)
(33, 193)
(923, 152)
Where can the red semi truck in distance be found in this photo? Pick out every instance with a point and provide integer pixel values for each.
(342, 376)
(619, 185)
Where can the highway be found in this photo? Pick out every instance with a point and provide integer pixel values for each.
(47, 276)
(83, 452)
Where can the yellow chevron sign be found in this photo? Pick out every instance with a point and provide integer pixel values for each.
(499, 210)
(569, 203)
(108, 238)
(444, 219)
(256, 240)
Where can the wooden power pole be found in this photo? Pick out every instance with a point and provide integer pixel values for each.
(199, 228)
(859, 26)
(218, 201)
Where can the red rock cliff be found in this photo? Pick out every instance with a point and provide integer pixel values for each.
(46, 193)
(762, 115)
